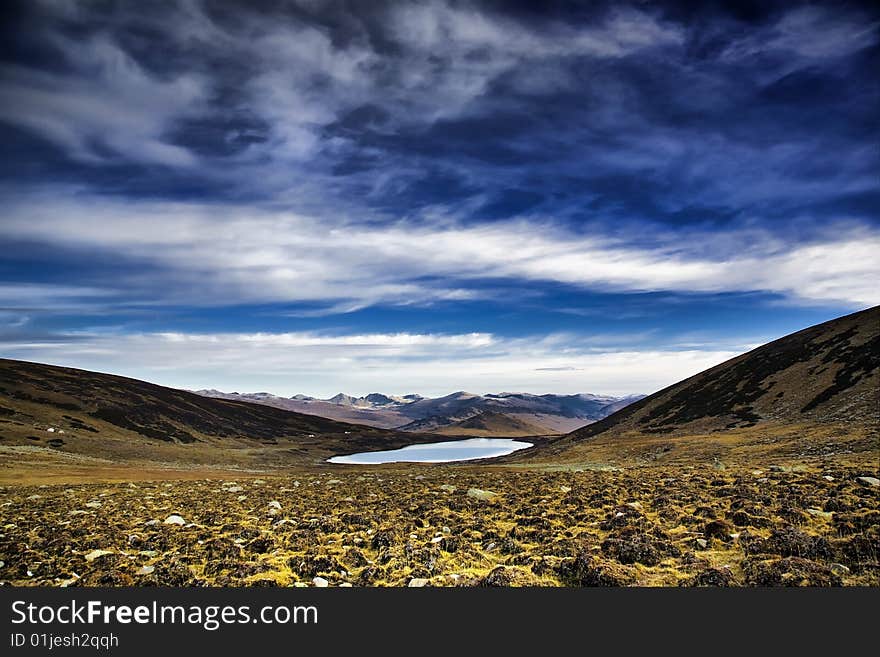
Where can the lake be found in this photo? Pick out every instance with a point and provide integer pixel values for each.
(454, 450)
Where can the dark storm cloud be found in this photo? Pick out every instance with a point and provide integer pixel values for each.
(665, 113)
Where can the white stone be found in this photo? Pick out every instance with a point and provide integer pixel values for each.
(97, 554)
(320, 582)
(482, 495)
(417, 582)
(839, 569)
(174, 519)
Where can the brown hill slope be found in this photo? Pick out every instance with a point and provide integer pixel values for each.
(823, 381)
(491, 423)
(107, 416)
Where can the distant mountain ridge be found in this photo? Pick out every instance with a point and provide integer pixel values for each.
(544, 414)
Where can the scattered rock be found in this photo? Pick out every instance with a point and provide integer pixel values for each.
(789, 542)
(634, 546)
(869, 481)
(417, 582)
(97, 554)
(320, 582)
(721, 577)
(145, 570)
(497, 577)
(791, 571)
(482, 495)
(588, 570)
(720, 529)
(174, 519)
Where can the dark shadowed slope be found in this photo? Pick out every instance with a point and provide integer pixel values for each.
(825, 375)
(828, 372)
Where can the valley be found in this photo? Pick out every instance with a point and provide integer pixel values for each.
(762, 471)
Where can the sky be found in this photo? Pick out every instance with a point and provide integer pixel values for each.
(424, 197)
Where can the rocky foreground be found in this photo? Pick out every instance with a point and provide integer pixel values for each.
(453, 526)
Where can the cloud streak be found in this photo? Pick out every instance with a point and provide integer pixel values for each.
(430, 364)
(248, 255)
(110, 108)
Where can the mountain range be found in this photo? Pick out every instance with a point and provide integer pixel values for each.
(813, 393)
(524, 414)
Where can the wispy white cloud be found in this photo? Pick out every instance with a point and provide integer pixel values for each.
(810, 34)
(320, 364)
(59, 296)
(213, 254)
(300, 79)
(105, 107)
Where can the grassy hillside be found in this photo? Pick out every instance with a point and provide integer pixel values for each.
(111, 417)
(813, 392)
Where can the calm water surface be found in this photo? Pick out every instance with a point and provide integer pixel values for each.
(454, 450)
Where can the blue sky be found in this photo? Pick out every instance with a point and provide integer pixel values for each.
(428, 197)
